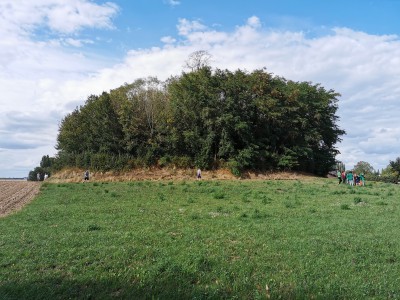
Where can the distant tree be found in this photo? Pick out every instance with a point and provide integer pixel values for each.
(32, 176)
(387, 174)
(363, 167)
(197, 60)
(340, 166)
(37, 173)
(395, 165)
(388, 171)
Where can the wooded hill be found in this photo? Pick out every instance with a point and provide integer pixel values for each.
(205, 118)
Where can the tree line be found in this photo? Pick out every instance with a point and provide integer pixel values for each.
(206, 118)
(390, 174)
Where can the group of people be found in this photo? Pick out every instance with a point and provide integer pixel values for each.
(351, 178)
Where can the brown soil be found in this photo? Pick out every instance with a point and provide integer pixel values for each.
(76, 175)
(15, 194)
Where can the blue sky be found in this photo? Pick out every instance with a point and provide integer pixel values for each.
(55, 53)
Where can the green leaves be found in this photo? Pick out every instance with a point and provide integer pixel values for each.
(251, 120)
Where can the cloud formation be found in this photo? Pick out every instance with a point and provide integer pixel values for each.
(25, 16)
(33, 71)
(44, 80)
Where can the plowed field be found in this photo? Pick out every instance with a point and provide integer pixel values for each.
(15, 194)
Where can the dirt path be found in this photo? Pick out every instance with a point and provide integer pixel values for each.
(15, 194)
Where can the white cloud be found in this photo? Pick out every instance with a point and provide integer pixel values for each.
(168, 40)
(172, 2)
(254, 22)
(23, 17)
(364, 68)
(185, 27)
(33, 70)
(76, 42)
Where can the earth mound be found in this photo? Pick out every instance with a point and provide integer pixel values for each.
(77, 175)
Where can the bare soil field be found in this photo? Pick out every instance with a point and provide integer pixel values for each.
(14, 194)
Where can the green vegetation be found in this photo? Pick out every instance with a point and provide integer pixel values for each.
(390, 174)
(204, 240)
(208, 119)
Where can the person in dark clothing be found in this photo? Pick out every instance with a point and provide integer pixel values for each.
(86, 176)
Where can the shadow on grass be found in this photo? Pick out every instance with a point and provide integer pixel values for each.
(169, 284)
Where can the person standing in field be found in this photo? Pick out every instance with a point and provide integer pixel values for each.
(344, 177)
(362, 179)
(86, 175)
(339, 176)
(350, 178)
(198, 174)
(356, 179)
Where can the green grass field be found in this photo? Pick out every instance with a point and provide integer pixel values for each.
(310, 239)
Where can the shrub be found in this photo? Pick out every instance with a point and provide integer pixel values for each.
(345, 206)
(234, 167)
(161, 197)
(164, 161)
(182, 162)
(219, 195)
(93, 227)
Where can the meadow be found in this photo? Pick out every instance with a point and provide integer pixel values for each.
(239, 239)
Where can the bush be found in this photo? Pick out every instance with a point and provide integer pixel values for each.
(345, 206)
(234, 167)
(219, 195)
(182, 162)
(121, 162)
(164, 161)
(382, 178)
(101, 162)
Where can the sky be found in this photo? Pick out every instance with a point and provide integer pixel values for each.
(56, 53)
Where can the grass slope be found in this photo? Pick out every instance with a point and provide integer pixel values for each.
(204, 240)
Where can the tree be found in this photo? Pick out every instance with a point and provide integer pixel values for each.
(71, 134)
(363, 167)
(395, 166)
(46, 161)
(197, 60)
(37, 174)
(388, 174)
(207, 118)
(340, 166)
(91, 128)
(194, 113)
(143, 110)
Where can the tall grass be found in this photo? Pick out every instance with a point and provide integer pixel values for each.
(204, 240)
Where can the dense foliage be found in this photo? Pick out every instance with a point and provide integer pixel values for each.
(205, 119)
(390, 174)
